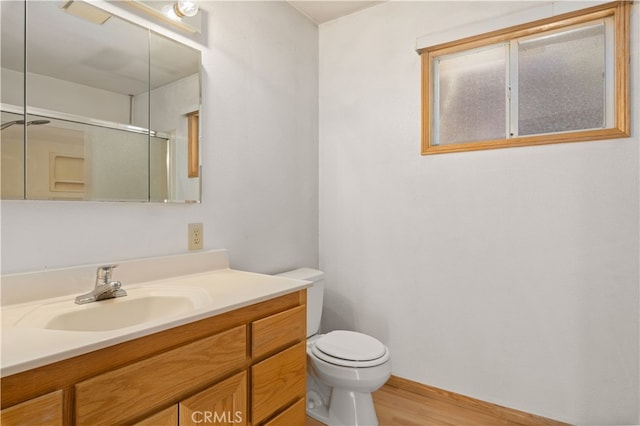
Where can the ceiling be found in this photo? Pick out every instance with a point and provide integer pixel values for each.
(328, 10)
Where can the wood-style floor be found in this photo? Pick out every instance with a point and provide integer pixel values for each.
(400, 407)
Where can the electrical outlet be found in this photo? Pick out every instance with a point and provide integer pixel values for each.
(195, 236)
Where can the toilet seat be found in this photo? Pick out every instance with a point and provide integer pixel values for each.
(350, 349)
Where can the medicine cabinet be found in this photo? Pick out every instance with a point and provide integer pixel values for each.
(95, 107)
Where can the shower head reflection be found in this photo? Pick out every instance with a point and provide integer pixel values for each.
(21, 122)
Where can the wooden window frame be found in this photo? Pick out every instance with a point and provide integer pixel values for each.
(193, 144)
(619, 10)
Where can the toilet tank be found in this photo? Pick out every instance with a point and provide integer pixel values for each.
(315, 295)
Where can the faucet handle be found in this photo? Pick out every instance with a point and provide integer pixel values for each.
(103, 273)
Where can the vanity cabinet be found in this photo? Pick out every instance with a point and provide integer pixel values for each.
(243, 367)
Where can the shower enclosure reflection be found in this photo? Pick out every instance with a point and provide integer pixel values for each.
(107, 109)
(71, 160)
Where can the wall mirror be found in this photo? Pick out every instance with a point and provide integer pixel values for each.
(95, 107)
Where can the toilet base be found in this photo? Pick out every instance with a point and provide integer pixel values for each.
(319, 413)
(346, 408)
(351, 408)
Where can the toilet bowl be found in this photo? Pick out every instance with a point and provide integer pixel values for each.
(343, 367)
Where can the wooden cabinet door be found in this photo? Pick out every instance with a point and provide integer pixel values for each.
(44, 410)
(294, 415)
(167, 417)
(278, 381)
(224, 403)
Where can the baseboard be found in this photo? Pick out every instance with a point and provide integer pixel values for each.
(507, 414)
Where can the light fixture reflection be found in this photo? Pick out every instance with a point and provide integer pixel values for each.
(186, 8)
(169, 12)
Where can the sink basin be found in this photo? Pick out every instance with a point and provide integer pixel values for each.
(141, 305)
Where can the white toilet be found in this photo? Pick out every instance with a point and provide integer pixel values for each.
(343, 367)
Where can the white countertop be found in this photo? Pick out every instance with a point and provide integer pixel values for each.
(25, 347)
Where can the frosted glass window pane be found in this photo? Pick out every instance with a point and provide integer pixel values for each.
(561, 82)
(472, 96)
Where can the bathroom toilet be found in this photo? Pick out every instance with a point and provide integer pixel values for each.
(343, 367)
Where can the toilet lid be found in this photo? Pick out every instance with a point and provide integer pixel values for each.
(351, 346)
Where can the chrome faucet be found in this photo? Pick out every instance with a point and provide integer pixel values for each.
(104, 288)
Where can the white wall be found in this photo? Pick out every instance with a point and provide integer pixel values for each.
(259, 154)
(507, 275)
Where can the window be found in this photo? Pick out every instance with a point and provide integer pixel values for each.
(561, 79)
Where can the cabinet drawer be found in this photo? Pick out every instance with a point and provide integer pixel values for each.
(146, 386)
(278, 381)
(44, 410)
(294, 415)
(221, 404)
(278, 331)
